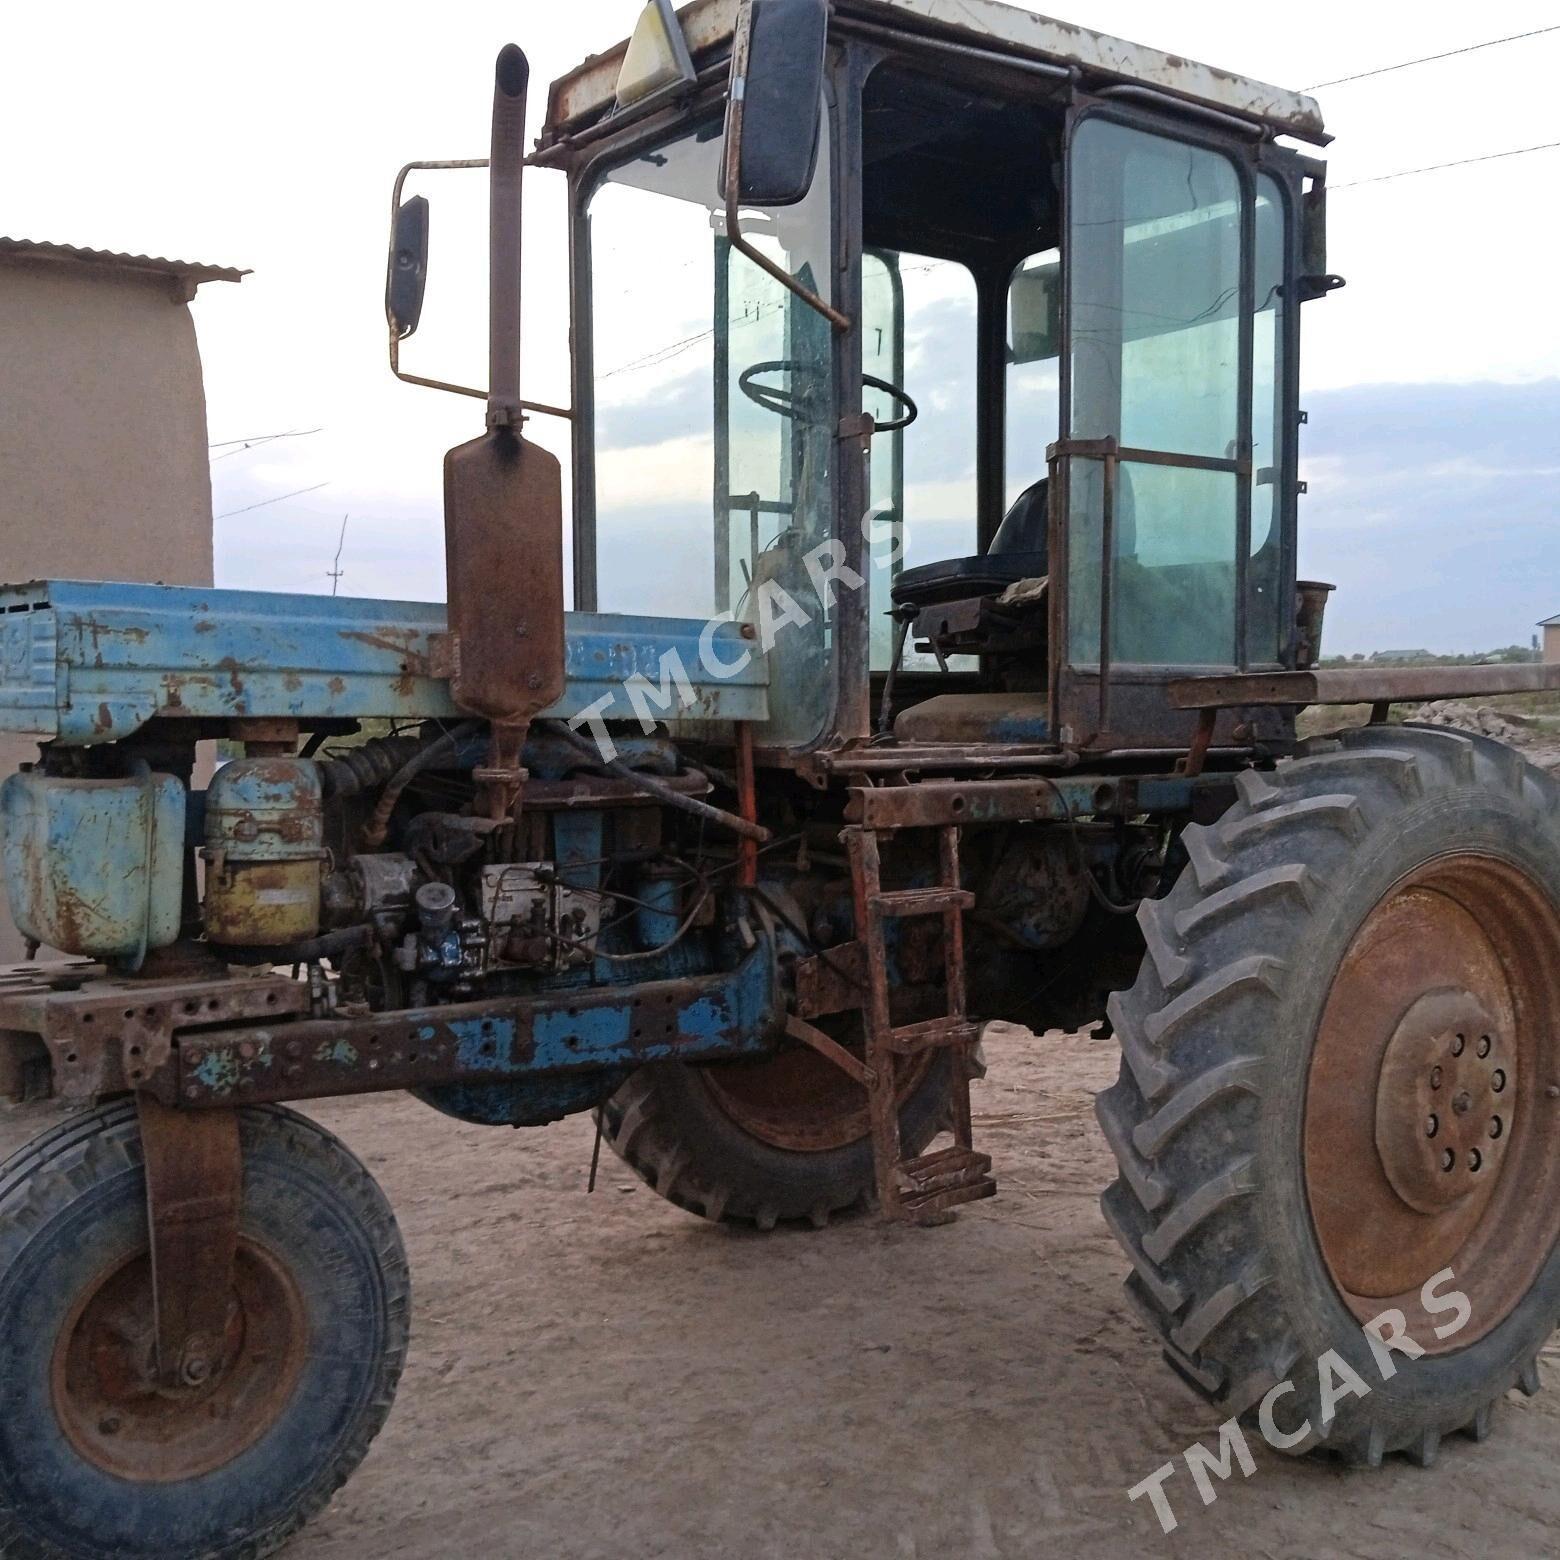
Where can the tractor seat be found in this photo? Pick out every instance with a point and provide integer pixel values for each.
(1019, 551)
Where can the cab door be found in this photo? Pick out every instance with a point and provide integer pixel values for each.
(1155, 480)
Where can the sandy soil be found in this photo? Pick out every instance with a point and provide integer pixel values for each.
(606, 1376)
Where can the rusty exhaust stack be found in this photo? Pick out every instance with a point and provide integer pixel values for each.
(503, 502)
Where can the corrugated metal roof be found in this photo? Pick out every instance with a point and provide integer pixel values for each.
(189, 271)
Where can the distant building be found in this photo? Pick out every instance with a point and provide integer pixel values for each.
(104, 470)
(1551, 628)
(1402, 655)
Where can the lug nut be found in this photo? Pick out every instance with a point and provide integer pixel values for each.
(1432, 1126)
(1435, 1077)
(1484, 1046)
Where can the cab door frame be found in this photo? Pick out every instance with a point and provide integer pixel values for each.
(1107, 705)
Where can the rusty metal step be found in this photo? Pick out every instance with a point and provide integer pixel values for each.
(939, 1181)
(924, 901)
(931, 1034)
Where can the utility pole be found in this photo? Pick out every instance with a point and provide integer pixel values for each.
(336, 571)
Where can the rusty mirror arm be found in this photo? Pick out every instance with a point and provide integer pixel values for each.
(403, 323)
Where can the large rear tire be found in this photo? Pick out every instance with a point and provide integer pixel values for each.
(1339, 1080)
(97, 1458)
(757, 1143)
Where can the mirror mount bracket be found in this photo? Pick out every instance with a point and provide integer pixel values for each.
(396, 335)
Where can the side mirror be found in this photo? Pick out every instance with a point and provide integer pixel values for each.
(774, 115)
(1316, 281)
(1036, 313)
(406, 277)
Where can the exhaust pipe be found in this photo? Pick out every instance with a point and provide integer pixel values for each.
(506, 164)
(503, 501)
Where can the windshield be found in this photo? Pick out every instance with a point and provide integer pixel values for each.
(713, 436)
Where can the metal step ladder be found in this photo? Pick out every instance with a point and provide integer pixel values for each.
(924, 1188)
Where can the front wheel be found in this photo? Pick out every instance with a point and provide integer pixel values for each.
(1339, 1104)
(97, 1458)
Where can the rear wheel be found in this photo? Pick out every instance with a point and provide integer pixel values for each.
(783, 1138)
(1340, 1093)
(97, 1456)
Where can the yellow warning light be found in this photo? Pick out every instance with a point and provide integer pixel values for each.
(657, 57)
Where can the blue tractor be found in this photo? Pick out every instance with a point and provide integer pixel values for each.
(745, 877)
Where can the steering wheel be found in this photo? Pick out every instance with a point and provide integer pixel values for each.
(782, 402)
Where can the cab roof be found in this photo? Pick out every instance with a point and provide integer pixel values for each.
(581, 96)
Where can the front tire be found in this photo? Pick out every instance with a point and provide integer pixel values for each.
(1335, 1086)
(96, 1460)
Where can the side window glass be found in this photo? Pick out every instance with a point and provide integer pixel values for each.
(1156, 255)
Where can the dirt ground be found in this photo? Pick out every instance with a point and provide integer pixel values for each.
(606, 1376)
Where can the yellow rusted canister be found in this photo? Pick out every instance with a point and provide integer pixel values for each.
(265, 852)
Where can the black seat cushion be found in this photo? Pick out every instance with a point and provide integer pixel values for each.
(1019, 551)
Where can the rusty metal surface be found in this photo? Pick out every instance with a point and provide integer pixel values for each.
(730, 1015)
(194, 1185)
(503, 500)
(264, 852)
(84, 663)
(747, 805)
(117, 1414)
(106, 1034)
(1429, 1138)
(1366, 685)
(932, 803)
(831, 1050)
(592, 793)
(1002, 29)
(1443, 1101)
(832, 982)
(585, 92)
(931, 1185)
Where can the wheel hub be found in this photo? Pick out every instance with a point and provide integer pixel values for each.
(1430, 1140)
(121, 1417)
(1443, 1101)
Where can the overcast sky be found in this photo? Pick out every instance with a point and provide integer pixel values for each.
(267, 137)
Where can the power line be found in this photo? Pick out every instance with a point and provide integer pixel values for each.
(263, 438)
(1462, 162)
(277, 500)
(1425, 59)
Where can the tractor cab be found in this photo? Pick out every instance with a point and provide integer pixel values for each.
(982, 414)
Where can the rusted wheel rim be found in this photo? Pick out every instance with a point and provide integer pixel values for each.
(800, 1101)
(1430, 1137)
(121, 1419)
